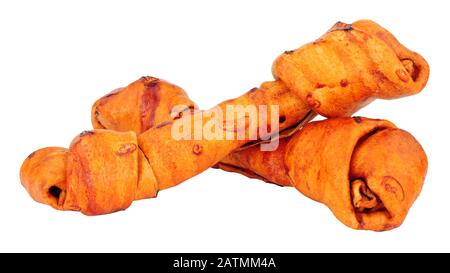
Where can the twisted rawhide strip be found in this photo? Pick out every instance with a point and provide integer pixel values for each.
(367, 171)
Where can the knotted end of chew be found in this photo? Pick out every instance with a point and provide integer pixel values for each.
(350, 66)
(141, 105)
(102, 172)
(368, 172)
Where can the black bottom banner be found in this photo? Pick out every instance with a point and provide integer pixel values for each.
(202, 262)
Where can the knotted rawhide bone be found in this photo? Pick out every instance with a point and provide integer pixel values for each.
(342, 71)
(367, 171)
(104, 171)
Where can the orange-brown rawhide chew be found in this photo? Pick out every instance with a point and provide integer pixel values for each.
(336, 75)
(163, 162)
(368, 172)
(104, 171)
(140, 106)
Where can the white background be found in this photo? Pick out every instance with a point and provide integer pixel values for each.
(58, 57)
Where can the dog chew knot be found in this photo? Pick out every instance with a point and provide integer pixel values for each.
(102, 172)
(350, 66)
(367, 171)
